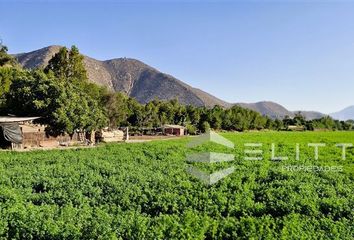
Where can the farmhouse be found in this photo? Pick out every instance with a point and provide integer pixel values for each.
(176, 130)
(20, 133)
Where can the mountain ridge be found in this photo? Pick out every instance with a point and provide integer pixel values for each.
(131, 76)
(145, 83)
(344, 114)
(275, 110)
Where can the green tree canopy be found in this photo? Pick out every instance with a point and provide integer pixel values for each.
(61, 105)
(115, 107)
(5, 58)
(68, 65)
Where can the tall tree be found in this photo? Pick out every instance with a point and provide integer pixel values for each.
(62, 106)
(116, 108)
(5, 58)
(68, 65)
(59, 64)
(7, 74)
(76, 68)
(135, 113)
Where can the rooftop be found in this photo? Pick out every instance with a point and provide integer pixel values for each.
(172, 126)
(7, 119)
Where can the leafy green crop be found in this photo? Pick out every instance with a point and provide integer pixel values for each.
(142, 191)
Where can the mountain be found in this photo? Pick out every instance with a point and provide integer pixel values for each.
(131, 76)
(275, 110)
(144, 83)
(270, 109)
(345, 114)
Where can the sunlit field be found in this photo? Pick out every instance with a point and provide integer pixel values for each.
(143, 191)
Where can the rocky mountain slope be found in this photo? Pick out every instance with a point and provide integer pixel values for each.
(130, 76)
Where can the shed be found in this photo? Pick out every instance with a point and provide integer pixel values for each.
(176, 130)
(296, 128)
(11, 135)
(111, 135)
(21, 133)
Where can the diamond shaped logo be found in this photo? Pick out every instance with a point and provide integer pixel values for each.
(210, 157)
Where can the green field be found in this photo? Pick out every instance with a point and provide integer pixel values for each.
(142, 191)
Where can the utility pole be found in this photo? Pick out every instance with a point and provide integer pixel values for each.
(127, 134)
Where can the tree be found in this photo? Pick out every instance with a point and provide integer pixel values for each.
(76, 68)
(68, 65)
(5, 58)
(116, 108)
(191, 129)
(7, 74)
(328, 122)
(348, 125)
(299, 119)
(5, 80)
(59, 64)
(80, 99)
(180, 115)
(62, 106)
(135, 113)
(287, 121)
(309, 125)
(151, 118)
(269, 124)
(193, 114)
(166, 111)
(205, 126)
(278, 124)
(325, 123)
(216, 120)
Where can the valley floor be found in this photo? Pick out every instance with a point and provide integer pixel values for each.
(143, 191)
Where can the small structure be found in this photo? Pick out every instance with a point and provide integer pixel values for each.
(295, 128)
(107, 135)
(176, 130)
(35, 136)
(11, 135)
(21, 133)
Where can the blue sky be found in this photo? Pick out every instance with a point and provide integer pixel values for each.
(298, 54)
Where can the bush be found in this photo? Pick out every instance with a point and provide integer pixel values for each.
(191, 129)
(205, 127)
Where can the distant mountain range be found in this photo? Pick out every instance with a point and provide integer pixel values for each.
(275, 110)
(144, 83)
(345, 114)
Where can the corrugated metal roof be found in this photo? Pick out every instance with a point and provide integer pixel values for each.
(16, 119)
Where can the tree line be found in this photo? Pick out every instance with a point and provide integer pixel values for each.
(325, 122)
(62, 95)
